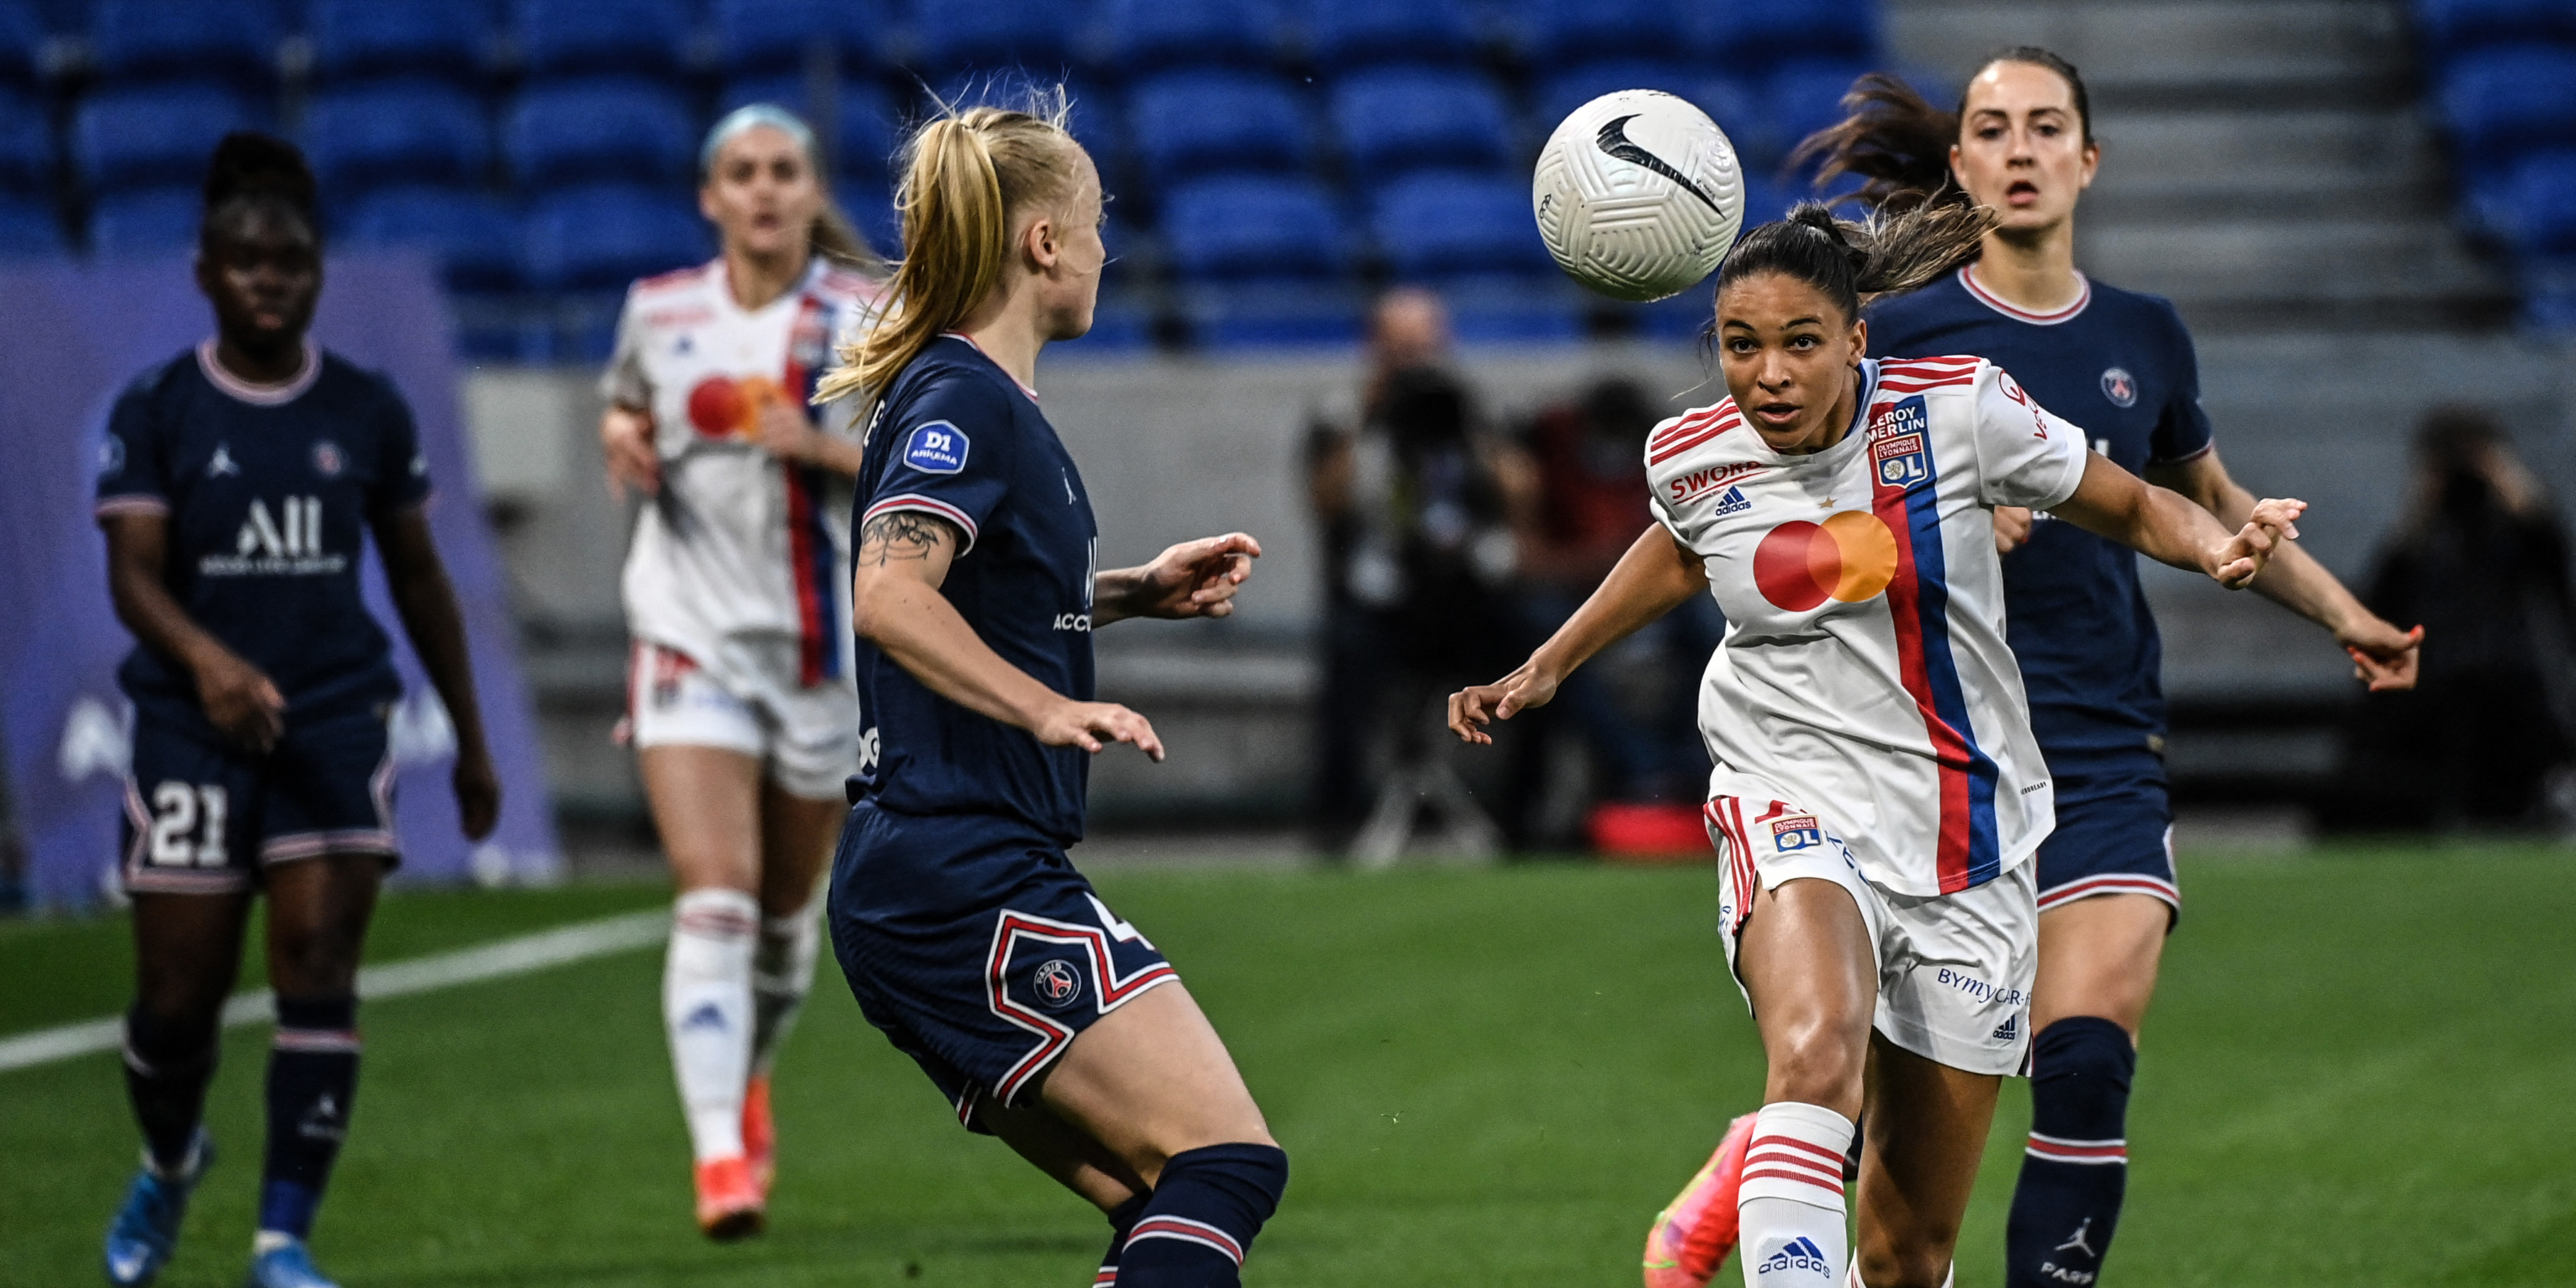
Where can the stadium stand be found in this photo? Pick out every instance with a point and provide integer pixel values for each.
(607, 129)
(471, 236)
(1358, 33)
(603, 37)
(1394, 119)
(146, 221)
(1215, 121)
(139, 136)
(133, 40)
(2503, 76)
(407, 131)
(771, 36)
(357, 39)
(1143, 36)
(1037, 34)
(22, 41)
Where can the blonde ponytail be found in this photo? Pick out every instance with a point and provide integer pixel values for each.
(965, 175)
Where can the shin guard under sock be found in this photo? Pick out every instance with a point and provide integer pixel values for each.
(312, 1080)
(782, 973)
(1122, 1222)
(2077, 1165)
(1200, 1220)
(706, 1007)
(167, 1066)
(1790, 1202)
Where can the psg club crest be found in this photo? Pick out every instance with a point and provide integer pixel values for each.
(2120, 387)
(326, 459)
(1057, 984)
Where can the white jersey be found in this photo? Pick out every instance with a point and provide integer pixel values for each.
(1864, 674)
(737, 544)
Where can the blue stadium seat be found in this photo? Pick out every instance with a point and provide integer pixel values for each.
(756, 36)
(1395, 119)
(1434, 226)
(1563, 31)
(863, 129)
(1564, 91)
(1272, 315)
(26, 147)
(1515, 309)
(1196, 123)
(1354, 33)
(29, 230)
(400, 132)
(598, 130)
(152, 221)
(869, 203)
(22, 40)
(353, 39)
(2499, 101)
(138, 137)
(1254, 229)
(1749, 37)
(183, 39)
(1804, 98)
(2544, 199)
(2454, 25)
(1152, 35)
(474, 238)
(605, 37)
(1038, 34)
(1738, 111)
(600, 237)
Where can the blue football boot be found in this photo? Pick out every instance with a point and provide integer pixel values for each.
(146, 1230)
(289, 1265)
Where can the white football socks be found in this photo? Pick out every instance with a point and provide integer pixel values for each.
(782, 973)
(707, 1006)
(1790, 1204)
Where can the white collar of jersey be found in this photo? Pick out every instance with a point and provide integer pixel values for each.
(815, 267)
(259, 395)
(1978, 292)
(1030, 394)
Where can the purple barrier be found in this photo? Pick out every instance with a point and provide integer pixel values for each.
(76, 335)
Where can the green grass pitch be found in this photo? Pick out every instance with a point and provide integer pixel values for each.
(2361, 1070)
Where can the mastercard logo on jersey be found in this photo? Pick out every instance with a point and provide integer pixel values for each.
(722, 407)
(1848, 558)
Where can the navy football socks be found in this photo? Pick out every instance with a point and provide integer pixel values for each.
(167, 1066)
(2077, 1165)
(1202, 1216)
(312, 1078)
(1122, 1222)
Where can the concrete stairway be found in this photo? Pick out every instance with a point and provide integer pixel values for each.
(2265, 162)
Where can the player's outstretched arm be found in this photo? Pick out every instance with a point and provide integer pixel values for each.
(1193, 579)
(239, 699)
(2383, 656)
(2165, 526)
(896, 604)
(1654, 577)
(426, 600)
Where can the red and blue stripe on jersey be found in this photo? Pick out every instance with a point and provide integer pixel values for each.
(809, 543)
(1968, 851)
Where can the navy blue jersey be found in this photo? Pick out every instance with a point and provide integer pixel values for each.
(957, 438)
(2120, 365)
(269, 491)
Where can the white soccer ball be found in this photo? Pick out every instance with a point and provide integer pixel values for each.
(1638, 195)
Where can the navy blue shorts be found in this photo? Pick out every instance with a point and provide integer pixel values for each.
(2114, 836)
(205, 816)
(978, 949)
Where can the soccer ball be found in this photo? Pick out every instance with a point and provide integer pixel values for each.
(1638, 195)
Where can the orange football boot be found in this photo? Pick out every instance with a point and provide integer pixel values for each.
(730, 1205)
(759, 1134)
(1693, 1234)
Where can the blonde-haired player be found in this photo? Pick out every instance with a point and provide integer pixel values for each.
(740, 703)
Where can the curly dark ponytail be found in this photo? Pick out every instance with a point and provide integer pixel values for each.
(1887, 254)
(251, 170)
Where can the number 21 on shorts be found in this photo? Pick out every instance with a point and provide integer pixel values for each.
(187, 825)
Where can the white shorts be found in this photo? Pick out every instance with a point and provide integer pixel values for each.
(750, 699)
(1954, 971)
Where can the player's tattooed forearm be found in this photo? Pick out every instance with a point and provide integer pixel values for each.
(901, 534)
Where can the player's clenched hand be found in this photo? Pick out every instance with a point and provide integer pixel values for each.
(2012, 528)
(1094, 725)
(786, 433)
(626, 437)
(1477, 705)
(478, 793)
(2383, 656)
(2273, 521)
(1195, 578)
(242, 702)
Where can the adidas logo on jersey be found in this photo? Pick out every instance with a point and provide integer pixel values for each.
(1733, 502)
(2009, 1029)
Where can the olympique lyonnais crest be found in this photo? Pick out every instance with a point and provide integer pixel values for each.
(1057, 984)
(1897, 443)
(1796, 832)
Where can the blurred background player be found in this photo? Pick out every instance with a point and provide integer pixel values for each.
(237, 485)
(2021, 144)
(965, 932)
(740, 704)
(1878, 789)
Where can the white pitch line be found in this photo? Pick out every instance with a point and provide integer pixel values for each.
(559, 947)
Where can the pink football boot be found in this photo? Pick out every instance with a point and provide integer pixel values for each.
(1693, 1234)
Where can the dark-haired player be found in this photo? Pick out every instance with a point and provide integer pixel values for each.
(2121, 364)
(238, 484)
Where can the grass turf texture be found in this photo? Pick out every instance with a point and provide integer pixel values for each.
(2355, 1074)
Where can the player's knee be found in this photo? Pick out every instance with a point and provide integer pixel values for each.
(162, 1041)
(1816, 1064)
(1894, 1266)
